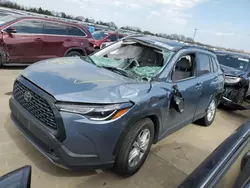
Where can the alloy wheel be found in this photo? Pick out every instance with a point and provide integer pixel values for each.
(211, 110)
(139, 147)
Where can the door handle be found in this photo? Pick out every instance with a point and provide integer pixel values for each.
(198, 86)
(38, 39)
(215, 78)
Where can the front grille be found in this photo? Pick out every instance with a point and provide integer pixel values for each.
(34, 104)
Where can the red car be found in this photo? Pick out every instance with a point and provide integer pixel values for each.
(100, 37)
(27, 39)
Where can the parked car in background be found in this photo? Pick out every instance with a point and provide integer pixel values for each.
(228, 166)
(100, 37)
(104, 44)
(27, 39)
(236, 68)
(107, 109)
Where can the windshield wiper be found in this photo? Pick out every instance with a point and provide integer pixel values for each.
(90, 59)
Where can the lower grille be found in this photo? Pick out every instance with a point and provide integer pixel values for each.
(32, 137)
(34, 104)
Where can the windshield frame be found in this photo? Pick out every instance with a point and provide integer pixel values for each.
(118, 43)
(235, 58)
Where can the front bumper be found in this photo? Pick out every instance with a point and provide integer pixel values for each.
(56, 151)
(232, 105)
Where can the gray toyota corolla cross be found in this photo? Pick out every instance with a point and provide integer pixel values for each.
(107, 109)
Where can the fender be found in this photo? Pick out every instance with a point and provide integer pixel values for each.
(130, 123)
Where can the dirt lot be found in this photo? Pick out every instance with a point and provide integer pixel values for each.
(169, 162)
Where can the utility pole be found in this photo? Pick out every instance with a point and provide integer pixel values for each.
(194, 33)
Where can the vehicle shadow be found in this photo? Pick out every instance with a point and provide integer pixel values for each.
(14, 67)
(238, 115)
(36, 158)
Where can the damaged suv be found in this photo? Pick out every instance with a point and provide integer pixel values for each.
(236, 69)
(107, 109)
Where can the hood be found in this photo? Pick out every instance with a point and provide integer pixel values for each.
(229, 71)
(73, 79)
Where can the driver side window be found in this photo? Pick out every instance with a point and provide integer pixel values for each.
(184, 68)
(29, 27)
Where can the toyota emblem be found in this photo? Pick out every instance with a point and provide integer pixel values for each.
(27, 96)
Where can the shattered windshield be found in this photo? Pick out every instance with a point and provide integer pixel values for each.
(235, 62)
(135, 59)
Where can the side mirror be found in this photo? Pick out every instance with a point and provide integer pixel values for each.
(17, 178)
(10, 30)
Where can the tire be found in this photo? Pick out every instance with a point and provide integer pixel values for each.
(1, 63)
(125, 167)
(208, 119)
(239, 99)
(73, 53)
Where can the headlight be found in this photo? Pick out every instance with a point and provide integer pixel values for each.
(96, 112)
(232, 80)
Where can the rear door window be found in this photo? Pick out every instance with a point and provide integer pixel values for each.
(214, 64)
(204, 64)
(54, 28)
(76, 31)
(29, 26)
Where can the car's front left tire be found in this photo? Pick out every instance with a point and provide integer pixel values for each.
(135, 148)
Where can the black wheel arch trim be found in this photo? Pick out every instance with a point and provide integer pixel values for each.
(131, 122)
(83, 50)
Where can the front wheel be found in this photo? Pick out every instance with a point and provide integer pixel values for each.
(135, 148)
(210, 114)
(73, 54)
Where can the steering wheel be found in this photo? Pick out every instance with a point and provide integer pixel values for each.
(133, 63)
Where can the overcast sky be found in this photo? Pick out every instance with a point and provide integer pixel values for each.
(220, 22)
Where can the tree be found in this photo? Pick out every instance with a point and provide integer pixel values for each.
(146, 32)
(63, 15)
(40, 10)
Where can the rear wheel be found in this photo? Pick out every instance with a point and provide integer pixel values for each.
(1, 63)
(210, 114)
(135, 148)
(73, 54)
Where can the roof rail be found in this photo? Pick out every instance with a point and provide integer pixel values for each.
(198, 47)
